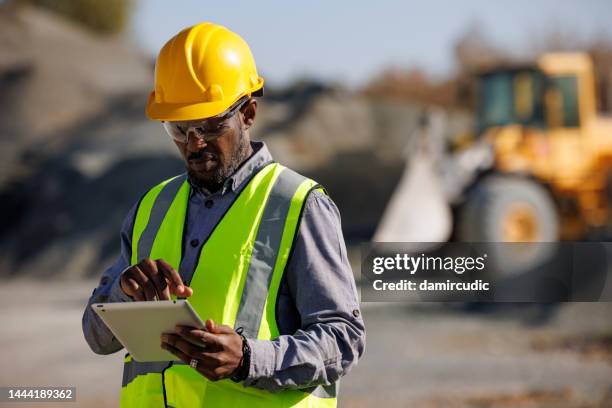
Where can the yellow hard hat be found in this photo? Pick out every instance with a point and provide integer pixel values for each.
(200, 73)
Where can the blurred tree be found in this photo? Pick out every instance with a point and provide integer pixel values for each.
(474, 51)
(411, 85)
(105, 17)
(601, 52)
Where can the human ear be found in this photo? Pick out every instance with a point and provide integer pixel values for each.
(249, 113)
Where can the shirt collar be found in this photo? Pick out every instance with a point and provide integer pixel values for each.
(260, 157)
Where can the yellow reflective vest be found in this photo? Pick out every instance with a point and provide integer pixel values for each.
(235, 282)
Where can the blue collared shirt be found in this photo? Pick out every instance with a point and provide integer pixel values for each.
(317, 309)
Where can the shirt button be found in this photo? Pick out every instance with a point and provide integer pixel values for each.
(356, 312)
(194, 243)
(208, 203)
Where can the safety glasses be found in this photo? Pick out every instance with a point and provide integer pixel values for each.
(207, 129)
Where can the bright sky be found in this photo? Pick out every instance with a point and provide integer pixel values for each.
(346, 42)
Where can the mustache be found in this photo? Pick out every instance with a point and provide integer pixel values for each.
(199, 154)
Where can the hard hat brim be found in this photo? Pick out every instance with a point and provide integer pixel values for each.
(190, 111)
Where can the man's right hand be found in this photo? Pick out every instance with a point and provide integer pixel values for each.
(153, 280)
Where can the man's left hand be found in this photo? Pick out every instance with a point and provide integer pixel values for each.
(217, 350)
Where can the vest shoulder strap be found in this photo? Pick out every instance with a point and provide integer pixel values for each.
(150, 214)
(276, 232)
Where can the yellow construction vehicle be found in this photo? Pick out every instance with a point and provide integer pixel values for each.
(547, 175)
(537, 170)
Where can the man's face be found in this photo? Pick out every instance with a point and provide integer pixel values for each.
(210, 163)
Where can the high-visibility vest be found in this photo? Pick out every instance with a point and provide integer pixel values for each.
(235, 282)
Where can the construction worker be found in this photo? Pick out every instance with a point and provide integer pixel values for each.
(256, 248)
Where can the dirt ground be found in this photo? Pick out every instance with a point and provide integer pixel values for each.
(426, 355)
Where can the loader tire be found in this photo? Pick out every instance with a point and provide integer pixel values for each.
(510, 209)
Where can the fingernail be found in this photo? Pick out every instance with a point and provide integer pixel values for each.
(181, 288)
(164, 338)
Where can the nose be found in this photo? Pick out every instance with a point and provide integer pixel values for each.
(194, 142)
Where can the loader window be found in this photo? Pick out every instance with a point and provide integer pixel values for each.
(495, 100)
(511, 97)
(567, 89)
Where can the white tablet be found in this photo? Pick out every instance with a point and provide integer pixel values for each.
(138, 325)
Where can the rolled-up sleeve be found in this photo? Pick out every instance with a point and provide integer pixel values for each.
(331, 337)
(97, 335)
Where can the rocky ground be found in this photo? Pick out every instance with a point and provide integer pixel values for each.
(426, 355)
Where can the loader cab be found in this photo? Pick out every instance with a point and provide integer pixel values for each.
(557, 92)
(528, 97)
(511, 96)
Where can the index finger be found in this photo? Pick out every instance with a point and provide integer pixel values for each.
(172, 275)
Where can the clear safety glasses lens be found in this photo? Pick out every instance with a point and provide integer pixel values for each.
(203, 129)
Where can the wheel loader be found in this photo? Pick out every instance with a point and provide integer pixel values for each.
(536, 170)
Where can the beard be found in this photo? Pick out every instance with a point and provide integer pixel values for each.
(214, 180)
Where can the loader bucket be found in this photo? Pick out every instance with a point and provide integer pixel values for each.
(418, 211)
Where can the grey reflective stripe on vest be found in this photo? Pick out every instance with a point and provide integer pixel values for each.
(323, 391)
(263, 260)
(158, 212)
(265, 251)
(164, 199)
(133, 369)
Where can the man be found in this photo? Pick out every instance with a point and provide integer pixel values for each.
(256, 247)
